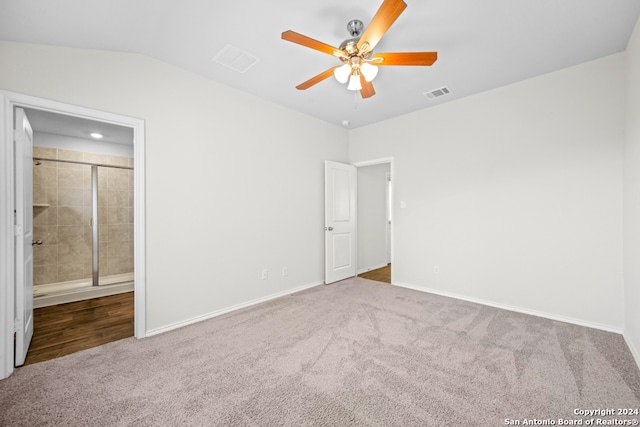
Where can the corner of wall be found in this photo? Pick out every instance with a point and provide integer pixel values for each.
(635, 351)
(631, 197)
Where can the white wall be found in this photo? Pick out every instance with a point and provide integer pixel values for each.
(372, 216)
(515, 194)
(234, 183)
(632, 197)
(44, 139)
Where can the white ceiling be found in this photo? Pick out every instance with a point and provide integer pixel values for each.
(481, 44)
(78, 127)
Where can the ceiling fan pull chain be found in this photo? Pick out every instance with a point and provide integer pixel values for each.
(355, 99)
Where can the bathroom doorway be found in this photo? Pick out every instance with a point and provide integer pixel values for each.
(71, 166)
(82, 208)
(83, 211)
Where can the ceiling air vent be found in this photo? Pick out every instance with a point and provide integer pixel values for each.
(235, 58)
(437, 93)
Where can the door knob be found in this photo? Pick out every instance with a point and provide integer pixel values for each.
(36, 242)
(329, 228)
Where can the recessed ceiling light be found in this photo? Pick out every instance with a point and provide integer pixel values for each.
(96, 135)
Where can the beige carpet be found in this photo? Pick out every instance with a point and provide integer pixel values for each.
(353, 353)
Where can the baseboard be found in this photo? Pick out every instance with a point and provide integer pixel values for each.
(513, 308)
(634, 350)
(364, 270)
(222, 311)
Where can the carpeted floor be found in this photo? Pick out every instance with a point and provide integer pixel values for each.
(353, 353)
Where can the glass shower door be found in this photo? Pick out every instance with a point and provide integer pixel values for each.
(115, 225)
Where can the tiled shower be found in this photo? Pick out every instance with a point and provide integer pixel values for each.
(63, 220)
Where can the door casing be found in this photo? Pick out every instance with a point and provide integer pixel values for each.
(8, 102)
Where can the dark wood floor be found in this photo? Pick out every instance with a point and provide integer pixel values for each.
(381, 274)
(63, 329)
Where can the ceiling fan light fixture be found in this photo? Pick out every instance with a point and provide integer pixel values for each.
(360, 63)
(354, 82)
(369, 71)
(342, 73)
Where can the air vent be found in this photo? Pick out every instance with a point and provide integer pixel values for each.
(437, 93)
(235, 58)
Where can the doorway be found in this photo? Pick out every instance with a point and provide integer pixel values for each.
(8, 284)
(82, 192)
(374, 213)
(82, 208)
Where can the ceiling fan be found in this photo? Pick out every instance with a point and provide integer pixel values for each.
(360, 63)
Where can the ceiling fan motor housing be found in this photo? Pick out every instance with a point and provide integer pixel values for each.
(350, 46)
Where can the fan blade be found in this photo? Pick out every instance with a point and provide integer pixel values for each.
(294, 37)
(404, 58)
(367, 90)
(383, 19)
(317, 79)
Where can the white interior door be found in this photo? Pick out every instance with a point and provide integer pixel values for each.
(24, 235)
(340, 221)
(388, 206)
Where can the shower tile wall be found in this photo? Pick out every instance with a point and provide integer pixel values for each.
(62, 215)
(115, 216)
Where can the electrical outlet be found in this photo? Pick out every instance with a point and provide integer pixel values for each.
(436, 269)
(285, 271)
(265, 274)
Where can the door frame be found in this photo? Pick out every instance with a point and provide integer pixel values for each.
(9, 100)
(381, 161)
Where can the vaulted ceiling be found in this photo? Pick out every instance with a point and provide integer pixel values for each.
(481, 45)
